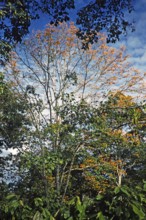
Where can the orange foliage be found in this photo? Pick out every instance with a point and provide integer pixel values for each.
(107, 169)
(99, 69)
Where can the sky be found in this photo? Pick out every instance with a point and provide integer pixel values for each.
(135, 42)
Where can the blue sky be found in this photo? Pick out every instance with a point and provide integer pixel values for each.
(135, 42)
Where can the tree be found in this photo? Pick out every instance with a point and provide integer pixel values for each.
(13, 128)
(12, 114)
(93, 190)
(75, 151)
(16, 17)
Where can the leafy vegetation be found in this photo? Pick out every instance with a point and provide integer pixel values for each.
(79, 135)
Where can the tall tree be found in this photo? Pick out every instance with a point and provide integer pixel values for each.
(78, 145)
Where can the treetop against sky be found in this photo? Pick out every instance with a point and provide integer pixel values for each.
(135, 42)
(91, 73)
(90, 16)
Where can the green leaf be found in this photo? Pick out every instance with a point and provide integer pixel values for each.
(37, 216)
(21, 202)
(144, 186)
(138, 212)
(78, 201)
(66, 214)
(100, 216)
(15, 204)
(125, 191)
(117, 190)
(47, 215)
(11, 197)
(99, 197)
(72, 201)
(38, 202)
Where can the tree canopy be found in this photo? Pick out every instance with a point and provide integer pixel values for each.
(92, 17)
(78, 132)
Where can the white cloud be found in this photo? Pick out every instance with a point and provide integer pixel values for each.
(134, 42)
